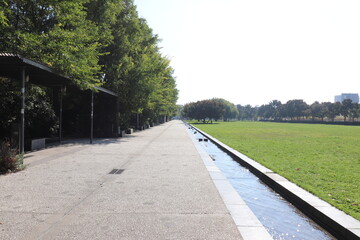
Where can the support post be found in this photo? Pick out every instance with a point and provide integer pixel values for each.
(137, 122)
(117, 118)
(22, 112)
(60, 114)
(92, 118)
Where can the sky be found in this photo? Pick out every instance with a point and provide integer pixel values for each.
(256, 51)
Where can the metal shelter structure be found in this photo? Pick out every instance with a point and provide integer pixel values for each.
(16, 67)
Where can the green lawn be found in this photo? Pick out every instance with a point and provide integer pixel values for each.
(323, 159)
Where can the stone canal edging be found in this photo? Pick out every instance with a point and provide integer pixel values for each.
(341, 225)
(247, 223)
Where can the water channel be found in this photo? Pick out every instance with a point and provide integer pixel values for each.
(280, 218)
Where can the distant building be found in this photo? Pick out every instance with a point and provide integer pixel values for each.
(353, 96)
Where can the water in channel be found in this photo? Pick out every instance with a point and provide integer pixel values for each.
(281, 219)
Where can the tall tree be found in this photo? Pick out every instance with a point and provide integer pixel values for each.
(205, 110)
(333, 110)
(133, 66)
(247, 112)
(56, 33)
(231, 112)
(296, 108)
(354, 111)
(318, 110)
(94, 42)
(346, 107)
(270, 111)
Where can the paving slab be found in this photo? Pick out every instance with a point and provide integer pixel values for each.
(164, 192)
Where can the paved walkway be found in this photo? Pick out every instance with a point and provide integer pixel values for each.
(165, 191)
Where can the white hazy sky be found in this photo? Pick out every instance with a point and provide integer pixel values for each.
(255, 51)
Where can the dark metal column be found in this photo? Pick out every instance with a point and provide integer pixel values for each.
(60, 115)
(137, 122)
(22, 112)
(117, 132)
(92, 118)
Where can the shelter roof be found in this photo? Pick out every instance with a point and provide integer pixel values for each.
(11, 66)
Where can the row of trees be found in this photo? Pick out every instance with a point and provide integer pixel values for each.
(299, 110)
(95, 43)
(209, 110)
(216, 109)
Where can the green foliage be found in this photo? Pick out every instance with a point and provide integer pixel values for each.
(133, 66)
(9, 105)
(295, 109)
(40, 117)
(299, 110)
(9, 160)
(3, 19)
(318, 110)
(56, 33)
(271, 110)
(231, 112)
(346, 106)
(323, 159)
(213, 109)
(94, 42)
(246, 112)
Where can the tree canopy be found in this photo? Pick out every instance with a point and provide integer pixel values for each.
(209, 110)
(56, 33)
(95, 43)
(298, 110)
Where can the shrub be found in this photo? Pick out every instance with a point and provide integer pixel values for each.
(10, 161)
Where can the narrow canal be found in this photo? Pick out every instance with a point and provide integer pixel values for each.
(281, 219)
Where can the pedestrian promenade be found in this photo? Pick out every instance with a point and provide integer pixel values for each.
(163, 191)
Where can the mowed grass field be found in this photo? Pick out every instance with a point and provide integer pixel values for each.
(323, 159)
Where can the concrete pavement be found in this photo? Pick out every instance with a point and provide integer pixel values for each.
(164, 192)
